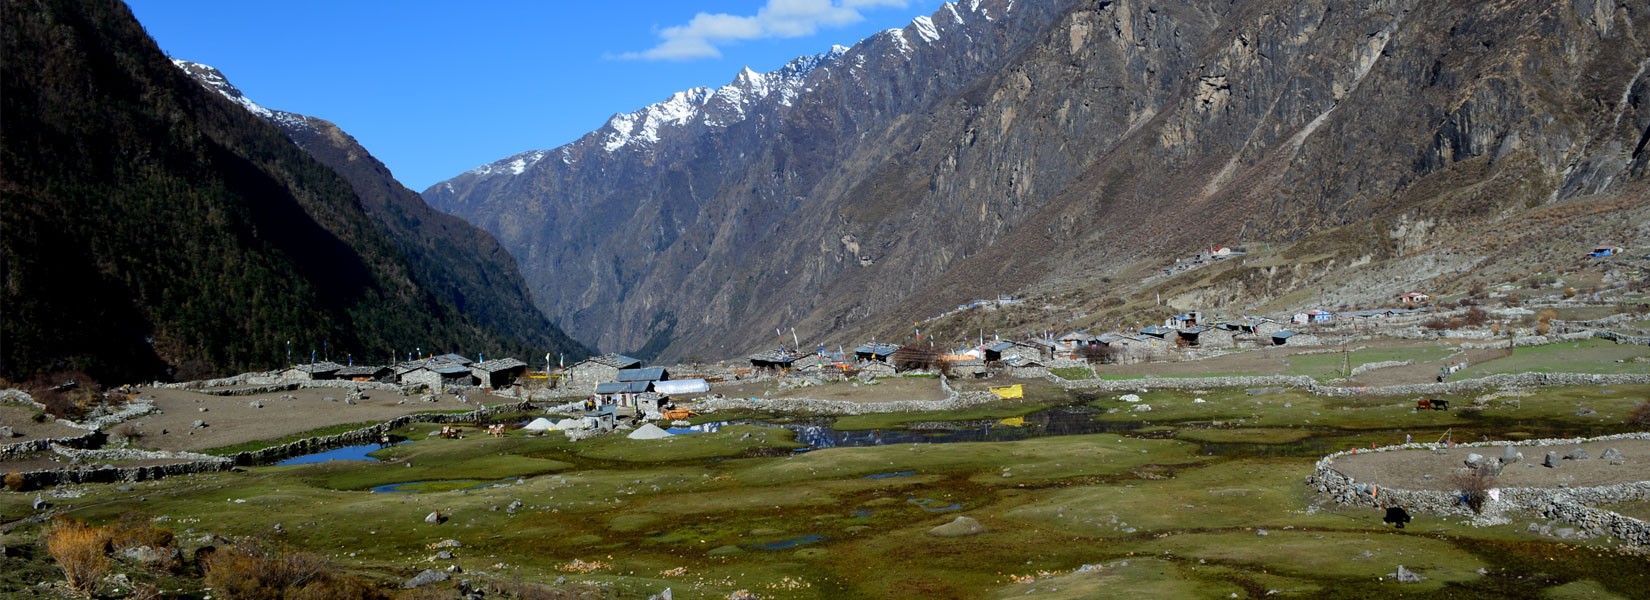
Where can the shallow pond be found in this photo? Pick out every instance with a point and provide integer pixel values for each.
(345, 453)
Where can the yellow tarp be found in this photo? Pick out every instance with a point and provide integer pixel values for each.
(1013, 422)
(1013, 391)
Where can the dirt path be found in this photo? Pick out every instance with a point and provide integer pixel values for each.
(234, 419)
(1423, 470)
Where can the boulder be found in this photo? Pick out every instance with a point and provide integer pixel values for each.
(1551, 461)
(7, 432)
(448, 543)
(1611, 454)
(198, 424)
(959, 527)
(1577, 454)
(426, 577)
(41, 503)
(1406, 576)
(1509, 455)
(1474, 460)
(434, 517)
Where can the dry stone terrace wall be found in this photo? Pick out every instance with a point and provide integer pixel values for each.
(200, 463)
(1312, 386)
(1566, 504)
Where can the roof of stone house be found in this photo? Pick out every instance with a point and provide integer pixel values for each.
(617, 361)
(319, 367)
(498, 364)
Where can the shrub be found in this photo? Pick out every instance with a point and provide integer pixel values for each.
(256, 570)
(1474, 486)
(15, 482)
(1640, 414)
(81, 551)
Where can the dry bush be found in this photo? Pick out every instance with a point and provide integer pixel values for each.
(1474, 486)
(256, 570)
(81, 551)
(134, 531)
(66, 394)
(15, 482)
(1640, 414)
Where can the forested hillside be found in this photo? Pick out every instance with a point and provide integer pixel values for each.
(153, 229)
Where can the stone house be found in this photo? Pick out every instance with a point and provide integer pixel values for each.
(874, 351)
(587, 373)
(875, 369)
(438, 376)
(498, 373)
(313, 371)
(364, 373)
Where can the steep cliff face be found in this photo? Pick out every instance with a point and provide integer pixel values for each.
(997, 146)
(154, 230)
(459, 263)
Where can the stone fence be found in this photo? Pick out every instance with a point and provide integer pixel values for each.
(1566, 504)
(201, 463)
(1312, 386)
(1367, 367)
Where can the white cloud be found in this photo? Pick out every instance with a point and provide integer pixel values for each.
(705, 33)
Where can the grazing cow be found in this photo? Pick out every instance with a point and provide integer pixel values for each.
(1440, 405)
(1423, 404)
(1396, 515)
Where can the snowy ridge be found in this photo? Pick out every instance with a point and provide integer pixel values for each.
(514, 165)
(721, 107)
(213, 79)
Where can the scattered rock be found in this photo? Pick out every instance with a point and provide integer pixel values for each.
(959, 527)
(201, 409)
(665, 595)
(1509, 455)
(1585, 412)
(1129, 398)
(1611, 454)
(198, 424)
(41, 503)
(426, 577)
(447, 543)
(7, 432)
(434, 517)
(1262, 532)
(1474, 460)
(1577, 454)
(1551, 461)
(444, 555)
(1142, 408)
(1406, 576)
(256, 404)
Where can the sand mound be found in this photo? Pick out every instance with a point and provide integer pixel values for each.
(539, 424)
(648, 431)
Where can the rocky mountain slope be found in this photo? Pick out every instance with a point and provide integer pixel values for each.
(459, 263)
(154, 229)
(999, 147)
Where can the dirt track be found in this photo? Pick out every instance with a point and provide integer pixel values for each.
(1423, 470)
(233, 420)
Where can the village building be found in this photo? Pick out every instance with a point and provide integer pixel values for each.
(622, 393)
(498, 373)
(591, 371)
(1414, 299)
(453, 358)
(1190, 334)
(1190, 319)
(773, 360)
(647, 374)
(1156, 331)
(875, 351)
(875, 369)
(969, 367)
(438, 376)
(1282, 337)
(364, 373)
(313, 371)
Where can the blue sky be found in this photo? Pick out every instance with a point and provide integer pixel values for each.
(436, 88)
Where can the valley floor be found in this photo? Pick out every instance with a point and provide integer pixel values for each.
(1079, 494)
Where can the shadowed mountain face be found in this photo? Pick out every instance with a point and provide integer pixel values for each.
(459, 263)
(154, 229)
(999, 146)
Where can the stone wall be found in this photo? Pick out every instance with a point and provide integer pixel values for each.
(1310, 385)
(201, 463)
(1367, 367)
(1566, 504)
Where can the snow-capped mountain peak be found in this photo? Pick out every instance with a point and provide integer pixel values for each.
(213, 79)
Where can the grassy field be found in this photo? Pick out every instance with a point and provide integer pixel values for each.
(1586, 356)
(1200, 499)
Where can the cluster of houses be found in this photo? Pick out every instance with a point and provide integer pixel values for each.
(616, 381)
(436, 372)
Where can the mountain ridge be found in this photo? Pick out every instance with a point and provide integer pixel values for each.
(1055, 145)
